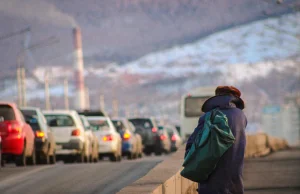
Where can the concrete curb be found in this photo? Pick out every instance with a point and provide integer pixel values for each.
(165, 178)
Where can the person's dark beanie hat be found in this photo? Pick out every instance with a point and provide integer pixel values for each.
(225, 90)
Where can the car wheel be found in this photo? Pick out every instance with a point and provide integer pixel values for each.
(1, 160)
(140, 155)
(80, 157)
(21, 159)
(46, 159)
(113, 158)
(158, 152)
(130, 156)
(32, 158)
(53, 158)
(119, 159)
(86, 159)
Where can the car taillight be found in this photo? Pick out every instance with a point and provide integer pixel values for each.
(13, 128)
(154, 129)
(173, 138)
(107, 138)
(126, 136)
(163, 137)
(39, 134)
(76, 132)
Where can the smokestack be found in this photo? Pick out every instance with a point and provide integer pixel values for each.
(79, 69)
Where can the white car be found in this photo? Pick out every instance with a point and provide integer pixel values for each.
(94, 148)
(110, 141)
(72, 143)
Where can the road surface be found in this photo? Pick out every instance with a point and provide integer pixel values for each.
(278, 173)
(103, 177)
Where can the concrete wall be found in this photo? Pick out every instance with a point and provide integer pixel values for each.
(165, 177)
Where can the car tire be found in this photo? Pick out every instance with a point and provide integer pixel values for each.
(80, 157)
(21, 159)
(119, 159)
(158, 153)
(53, 158)
(140, 155)
(1, 159)
(32, 159)
(96, 159)
(148, 153)
(130, 156)
(86, 159)
(113, 158)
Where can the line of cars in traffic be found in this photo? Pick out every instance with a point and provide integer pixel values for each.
(30, 136)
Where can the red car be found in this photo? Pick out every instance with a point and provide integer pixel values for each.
(17, 136)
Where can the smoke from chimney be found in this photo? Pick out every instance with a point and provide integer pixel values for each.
(79, 69)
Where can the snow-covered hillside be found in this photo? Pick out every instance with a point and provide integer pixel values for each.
(235, 56)
(271, 39)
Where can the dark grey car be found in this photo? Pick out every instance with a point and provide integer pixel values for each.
(148, 129)
(44, 139)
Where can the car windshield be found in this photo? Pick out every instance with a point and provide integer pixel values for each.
(99, 125)
(32, 119)
(59, 120)
(143, 123)
(7, 112)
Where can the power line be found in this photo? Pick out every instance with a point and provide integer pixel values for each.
(15, 33)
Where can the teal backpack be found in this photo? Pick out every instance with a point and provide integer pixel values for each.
(209, 145)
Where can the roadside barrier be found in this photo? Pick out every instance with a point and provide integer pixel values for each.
(165, 177)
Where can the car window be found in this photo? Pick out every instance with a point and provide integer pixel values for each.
(131, 126)
(21, 115)
(170, 131)
(144, 123)
(119, 125)
(99, 125)
(85, 123)
(59, 120)
(31, 118)
(7, 112)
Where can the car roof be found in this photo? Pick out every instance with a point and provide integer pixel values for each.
(12, 104)
(96, 118)
(30, 108)
(71, 112)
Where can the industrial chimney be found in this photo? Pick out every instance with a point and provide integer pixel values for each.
(79, 69)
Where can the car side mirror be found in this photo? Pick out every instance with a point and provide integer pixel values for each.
(1, 119)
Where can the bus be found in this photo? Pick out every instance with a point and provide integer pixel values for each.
(190, 108)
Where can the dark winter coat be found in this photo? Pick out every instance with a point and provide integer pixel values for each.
(227, 177)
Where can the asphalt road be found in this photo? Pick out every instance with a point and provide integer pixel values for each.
(278, 173)
(103, 177)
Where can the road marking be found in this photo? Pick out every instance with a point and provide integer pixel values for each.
(15, 178)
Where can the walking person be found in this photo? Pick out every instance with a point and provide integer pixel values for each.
(227, 176)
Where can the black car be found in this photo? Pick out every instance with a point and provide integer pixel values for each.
(44, 141)
(148, 129)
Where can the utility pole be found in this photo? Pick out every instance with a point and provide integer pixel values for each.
(47, 92)
(127, 112)
(23, 86)
(102, 102)
(66, 93)
(136, 113)
(115, 108)
(87, 98)
(19, 86)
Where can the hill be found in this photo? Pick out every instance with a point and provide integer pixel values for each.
(121, 30)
